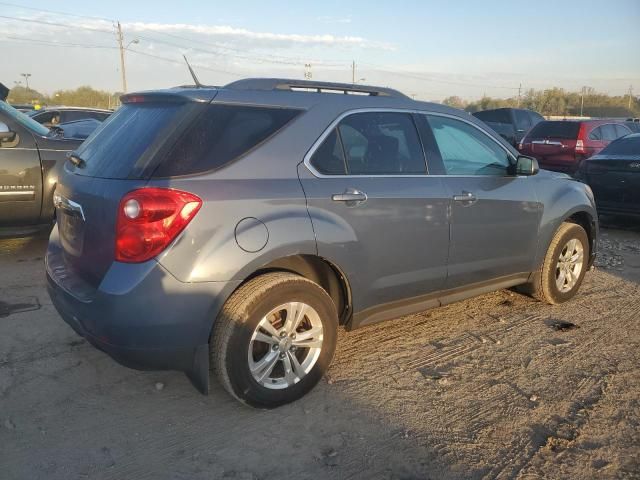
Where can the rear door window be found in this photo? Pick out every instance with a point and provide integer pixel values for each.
(621, 130)
(381, 143)
(596, 134)
(222, 134)
(609, 132)
(328, 159)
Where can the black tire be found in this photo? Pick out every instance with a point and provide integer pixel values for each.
(544, 287)
(239, 318)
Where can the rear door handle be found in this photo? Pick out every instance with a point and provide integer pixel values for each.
(351, 196)
(466, 197)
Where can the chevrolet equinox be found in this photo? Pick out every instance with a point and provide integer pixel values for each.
(234, 229)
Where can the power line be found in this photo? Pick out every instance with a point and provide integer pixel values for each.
(293, 60)
(381, 68)
(15, 5)
(51, 43)
(203, 67)
(256, 58)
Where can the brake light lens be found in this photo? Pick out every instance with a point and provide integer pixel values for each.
(149, 219)
(580, 146)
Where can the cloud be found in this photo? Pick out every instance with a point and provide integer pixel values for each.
(331, 19)
(262, 39)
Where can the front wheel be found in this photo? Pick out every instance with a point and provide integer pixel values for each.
(564, 266)
(274, 339)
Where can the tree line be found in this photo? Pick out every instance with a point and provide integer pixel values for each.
(80, 97)
(557, 101)
(554, 101)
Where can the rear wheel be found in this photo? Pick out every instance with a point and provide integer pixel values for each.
(564, 266)
(274, 339)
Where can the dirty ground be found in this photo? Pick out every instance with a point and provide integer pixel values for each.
(499, 386)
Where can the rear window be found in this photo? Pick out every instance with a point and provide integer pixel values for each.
(126, 144)
(623, 146)
(221, 134)
(551, 129)
(498, 116)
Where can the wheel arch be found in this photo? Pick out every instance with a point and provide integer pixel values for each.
(319, 270)
(590, 225)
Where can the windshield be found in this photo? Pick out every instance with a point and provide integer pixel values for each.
(24, 120)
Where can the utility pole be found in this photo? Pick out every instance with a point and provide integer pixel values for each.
(630, 95)
(26, 79)
(353, 72)
(582, 101)
(519, 92)
(122, 67)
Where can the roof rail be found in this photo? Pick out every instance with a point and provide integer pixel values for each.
(312, 86)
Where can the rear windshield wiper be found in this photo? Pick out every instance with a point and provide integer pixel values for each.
(76, 160)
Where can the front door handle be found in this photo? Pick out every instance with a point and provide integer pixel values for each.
(465, 197)
(351, 197)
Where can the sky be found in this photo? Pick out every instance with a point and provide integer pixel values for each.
(429, 49)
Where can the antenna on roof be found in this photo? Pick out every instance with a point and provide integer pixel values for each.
(193, 74)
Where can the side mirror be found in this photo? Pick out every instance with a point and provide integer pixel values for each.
(6, 135)
(526, 166)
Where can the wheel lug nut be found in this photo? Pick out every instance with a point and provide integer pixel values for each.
(276, 347)
(293, 335)
(282, 355)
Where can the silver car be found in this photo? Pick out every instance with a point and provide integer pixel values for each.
(235, 229)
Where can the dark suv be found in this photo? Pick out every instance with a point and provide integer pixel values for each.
(511, 123)
(238, 227)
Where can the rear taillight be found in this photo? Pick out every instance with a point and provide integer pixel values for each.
(149, 219)
(580, 141)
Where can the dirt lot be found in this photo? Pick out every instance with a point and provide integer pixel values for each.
(494, 387)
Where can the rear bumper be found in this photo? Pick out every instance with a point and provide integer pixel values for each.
(140, 315)
(138, 357)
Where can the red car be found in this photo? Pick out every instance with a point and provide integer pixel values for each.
(562, 145)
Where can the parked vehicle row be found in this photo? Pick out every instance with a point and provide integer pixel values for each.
(563, 145)
(32, 150)
(236, 228)
(557, 145)
(614, 176)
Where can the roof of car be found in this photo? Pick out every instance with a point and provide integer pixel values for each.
(297, 94)
(63, 107)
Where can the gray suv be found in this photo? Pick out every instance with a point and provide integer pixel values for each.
(235, 229)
